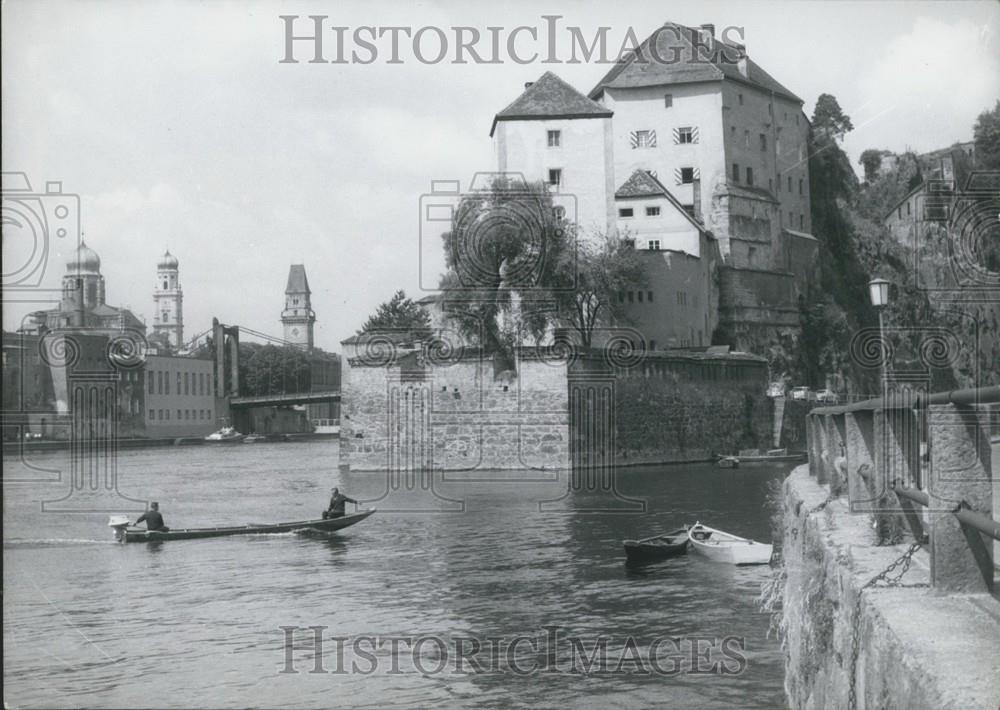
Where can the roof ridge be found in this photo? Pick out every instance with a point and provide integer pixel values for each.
(680, 66)
(550, 96)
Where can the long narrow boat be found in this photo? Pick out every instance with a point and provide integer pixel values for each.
(658, 547)
(124, 534)
(736, 460)
(725, 547)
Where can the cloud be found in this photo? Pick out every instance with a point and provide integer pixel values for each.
(133, 200)
(927, 87)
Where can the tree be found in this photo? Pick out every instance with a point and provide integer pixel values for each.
(871, 160)
(829, 118)
(269, 369)
(986, 136)
(504, 251)
(604, 268)
(399, 313)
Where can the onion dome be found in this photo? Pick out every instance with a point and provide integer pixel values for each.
(85, 261)
(167, 261)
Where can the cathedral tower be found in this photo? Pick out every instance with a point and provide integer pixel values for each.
(298, 317)
(168, 301)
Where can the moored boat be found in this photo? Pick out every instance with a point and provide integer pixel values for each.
(658, 547)
(721, 546)
(254, 438)
(125, 534)
(752, 456)
(225, 435)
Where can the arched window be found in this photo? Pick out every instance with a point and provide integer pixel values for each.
(164, 285)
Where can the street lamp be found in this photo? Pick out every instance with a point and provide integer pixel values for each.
(878, 289)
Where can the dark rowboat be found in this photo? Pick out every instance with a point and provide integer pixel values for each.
(655, 548)
(123, 534)
(754, 456)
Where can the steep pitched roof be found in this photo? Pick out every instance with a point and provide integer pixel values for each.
(297, 281)
(676, 61)
(550, 97)
(642, 184)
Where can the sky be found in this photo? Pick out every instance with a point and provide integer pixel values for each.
(179, 127)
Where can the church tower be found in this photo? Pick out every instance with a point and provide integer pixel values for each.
(83, 285)
(168, 301)
(298, 317)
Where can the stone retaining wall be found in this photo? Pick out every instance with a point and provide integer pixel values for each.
(917, 649)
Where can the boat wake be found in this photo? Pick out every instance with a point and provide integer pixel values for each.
(54, 542)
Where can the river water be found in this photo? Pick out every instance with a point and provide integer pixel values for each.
(199, 623)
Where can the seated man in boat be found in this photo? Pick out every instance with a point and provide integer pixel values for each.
(153, 519)
(337, 501)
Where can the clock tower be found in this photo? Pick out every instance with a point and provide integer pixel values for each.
(298, 317)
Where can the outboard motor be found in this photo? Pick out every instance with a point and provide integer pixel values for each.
(119, 523)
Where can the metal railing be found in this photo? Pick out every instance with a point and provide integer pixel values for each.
(910, 448)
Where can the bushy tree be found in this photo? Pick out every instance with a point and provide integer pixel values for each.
(828, 117)
(399, 313)
(986, 135)
(504, 253)
(605, 267)
(269, 369)
(871, 161)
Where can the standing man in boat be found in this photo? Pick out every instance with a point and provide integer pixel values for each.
(337, 501)
(153, 519)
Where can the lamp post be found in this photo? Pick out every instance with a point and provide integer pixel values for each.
(878, 289)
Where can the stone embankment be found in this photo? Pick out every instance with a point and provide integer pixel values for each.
(907, 646)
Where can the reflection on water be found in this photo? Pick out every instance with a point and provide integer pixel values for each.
(198, 623)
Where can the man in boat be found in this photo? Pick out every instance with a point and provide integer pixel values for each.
(337, 507)
(153, 519)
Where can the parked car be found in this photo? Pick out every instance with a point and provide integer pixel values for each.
(803, 393)
(828, 396)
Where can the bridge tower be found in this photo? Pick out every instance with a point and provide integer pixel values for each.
(298, 317)
(168, 300)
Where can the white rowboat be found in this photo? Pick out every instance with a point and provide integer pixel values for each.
(721, 546)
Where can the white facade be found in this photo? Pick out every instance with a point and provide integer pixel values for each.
(654, 223)
(579, 148)
(694, 107)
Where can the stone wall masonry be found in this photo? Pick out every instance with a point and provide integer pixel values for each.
(456, 416)
(672, 409)
(917, 649)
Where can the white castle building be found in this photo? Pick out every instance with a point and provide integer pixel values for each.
(691, 149)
